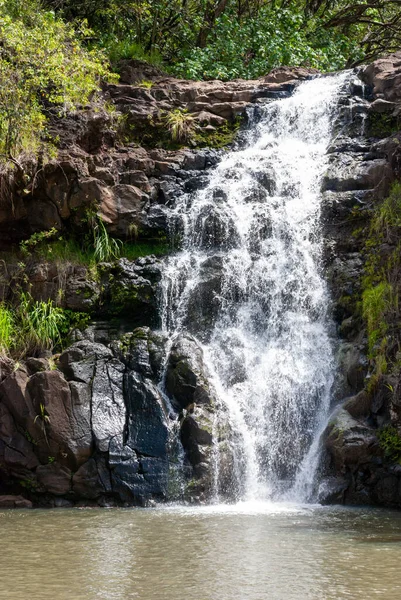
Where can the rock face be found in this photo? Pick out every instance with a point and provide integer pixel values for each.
(98, 428)
(124, 416)
(364, 161)
(127, 183)
(116, 418)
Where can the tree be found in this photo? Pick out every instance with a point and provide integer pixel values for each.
(42, 65)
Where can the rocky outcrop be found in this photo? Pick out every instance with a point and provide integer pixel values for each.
(99, 429)
(364, 161)
(124, 416)
(112, 162)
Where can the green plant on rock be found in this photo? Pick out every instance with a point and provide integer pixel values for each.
(381, 284)
(36, 239)
(390, 442)
(375, 304)
(180, 124)
(39, 325)
(43, 64)
(104, 246)
(7, 328)
(44, 419)
(146, 84)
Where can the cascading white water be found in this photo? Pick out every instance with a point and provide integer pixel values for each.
(248, 284)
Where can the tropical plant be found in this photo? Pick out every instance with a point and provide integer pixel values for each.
(44, 420)
(104, 246)
(39, 325)
(7, 328)
(43, 65)
(180, 124)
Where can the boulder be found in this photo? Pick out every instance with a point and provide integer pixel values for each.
(186, 380)
(350, 441)
(14, 502)
(63, 434)
(108, 406)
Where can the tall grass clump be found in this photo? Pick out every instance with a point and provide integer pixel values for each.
(39, 324)
(104, 246)
(180, 125)
(376, 302)
(30, 327)
(7, 329)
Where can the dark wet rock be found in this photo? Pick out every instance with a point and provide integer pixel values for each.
(61, 434)
(353, 364)
(86, 482)
(214, 228)
(78, 361)
(186, 380)
(196, 436)
(108, 407)
(204, 302)
(132, 287)
(350, 441)
(360, 405)
(142, 350)
(347, 173)
(147, 422)
(34, 365)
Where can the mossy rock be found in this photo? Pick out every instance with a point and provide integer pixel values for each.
(382, 125)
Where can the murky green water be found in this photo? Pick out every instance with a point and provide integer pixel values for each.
(251, 552)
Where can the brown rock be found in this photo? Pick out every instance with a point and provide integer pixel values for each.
(55, 478)
(86, 482)
(122, 207)
(14, 502)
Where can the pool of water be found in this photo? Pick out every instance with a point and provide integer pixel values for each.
(241, 552)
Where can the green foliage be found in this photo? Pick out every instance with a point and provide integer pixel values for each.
(42, 64)
(30, 327)
(146, 84)
(231, 38)
(222, 136)
(39, 325)
(375, 304)
(104, 247)
(386, 224)
(27, 246)
(73, 320)
(390, 442)
(7, 328)
(180, 125)
(119, 49)
(382, 124)
(133, 250)
(273, 37)
(381, 283)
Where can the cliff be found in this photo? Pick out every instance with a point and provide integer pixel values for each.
(86, 422)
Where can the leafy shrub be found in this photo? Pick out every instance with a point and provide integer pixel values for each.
(39, 325)
(42, 64)
(390, 442)
(7, 328)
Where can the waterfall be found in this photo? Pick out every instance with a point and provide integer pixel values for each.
(248, 284)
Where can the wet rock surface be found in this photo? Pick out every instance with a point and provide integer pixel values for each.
(363, 164)
(99, 429)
